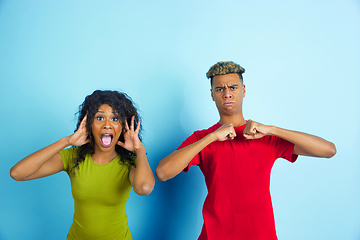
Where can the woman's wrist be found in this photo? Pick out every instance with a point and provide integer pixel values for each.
(139, 148)
(66, 141)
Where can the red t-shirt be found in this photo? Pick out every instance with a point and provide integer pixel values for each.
(237, 176)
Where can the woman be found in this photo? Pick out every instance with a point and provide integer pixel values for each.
(107, 160)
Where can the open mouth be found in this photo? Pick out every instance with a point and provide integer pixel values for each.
(106, 139)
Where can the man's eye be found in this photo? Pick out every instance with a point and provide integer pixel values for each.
(232, 88)
(219, 90)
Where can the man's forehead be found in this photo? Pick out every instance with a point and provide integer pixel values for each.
(228, 79)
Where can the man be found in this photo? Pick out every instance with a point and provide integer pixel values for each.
(236, 157)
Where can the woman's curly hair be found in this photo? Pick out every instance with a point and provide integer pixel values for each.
(123, 106)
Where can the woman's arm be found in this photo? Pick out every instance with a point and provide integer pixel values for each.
(47, 161)
(141, 177)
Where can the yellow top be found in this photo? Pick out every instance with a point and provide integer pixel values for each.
(100, 194)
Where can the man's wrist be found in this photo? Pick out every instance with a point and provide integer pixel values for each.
(272, 130)
(211, 137)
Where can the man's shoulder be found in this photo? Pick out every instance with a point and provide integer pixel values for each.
(204, 132)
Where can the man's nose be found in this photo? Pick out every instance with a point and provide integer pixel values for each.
(227, 93)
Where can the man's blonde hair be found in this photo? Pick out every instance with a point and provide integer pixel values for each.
(223, 68)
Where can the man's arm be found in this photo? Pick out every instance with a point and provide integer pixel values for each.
(305, 144)
(174, 163)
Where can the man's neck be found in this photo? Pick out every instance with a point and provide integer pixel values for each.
(235, 120)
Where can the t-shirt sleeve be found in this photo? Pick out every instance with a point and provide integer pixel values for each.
(284, 149)
(67, 156)
(190, 140)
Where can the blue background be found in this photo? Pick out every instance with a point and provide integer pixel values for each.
(302, 63)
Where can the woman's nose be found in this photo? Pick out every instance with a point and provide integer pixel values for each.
(107, 123)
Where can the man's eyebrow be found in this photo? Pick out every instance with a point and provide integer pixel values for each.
(234, 85)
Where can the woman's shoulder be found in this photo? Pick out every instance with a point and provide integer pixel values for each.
(68, 155)
(69, 152)
(128, 161)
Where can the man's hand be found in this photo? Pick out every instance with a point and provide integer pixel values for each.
(225, 132)
(254, 130)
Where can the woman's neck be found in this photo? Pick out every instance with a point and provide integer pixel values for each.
(101, 158)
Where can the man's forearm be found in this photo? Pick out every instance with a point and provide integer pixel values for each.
(173, 164)
(305, 144)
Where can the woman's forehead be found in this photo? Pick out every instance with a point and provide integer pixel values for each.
(106, 108)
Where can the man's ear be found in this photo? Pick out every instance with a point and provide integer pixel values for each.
(244, 91)
(212, 95)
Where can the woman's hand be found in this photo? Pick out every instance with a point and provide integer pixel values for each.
(80, 137)
(131, 137)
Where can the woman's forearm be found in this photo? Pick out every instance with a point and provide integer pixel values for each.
(32, 163)
(143, 177)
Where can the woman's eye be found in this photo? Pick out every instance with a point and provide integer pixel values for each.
(99, 118)
(115, 119)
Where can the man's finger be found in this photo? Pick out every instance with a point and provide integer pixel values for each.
(248, 136)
